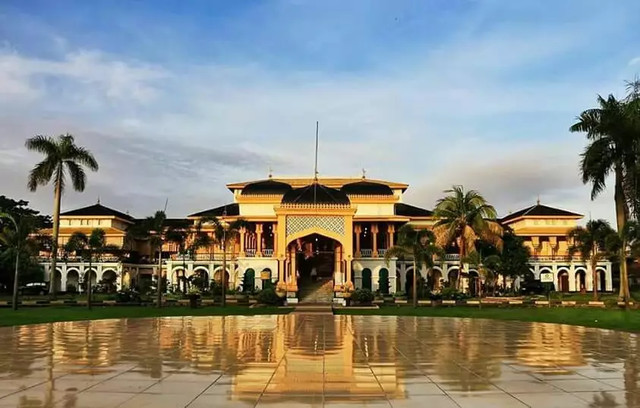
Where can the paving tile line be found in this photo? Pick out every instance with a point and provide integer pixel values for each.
(359, 347)
(560, 390)
(284, 355)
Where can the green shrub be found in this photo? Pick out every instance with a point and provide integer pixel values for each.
(268, 297)
(362, 296)
(452, 294)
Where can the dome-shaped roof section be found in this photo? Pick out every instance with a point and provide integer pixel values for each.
(315, 193)
(266, 187)
(367, 188)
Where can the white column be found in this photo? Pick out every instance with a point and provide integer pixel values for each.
(63, 278)
(392, 276)
(589, 279)
(608, 277)
(572, 281)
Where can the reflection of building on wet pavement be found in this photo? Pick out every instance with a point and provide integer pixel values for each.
(299, 358)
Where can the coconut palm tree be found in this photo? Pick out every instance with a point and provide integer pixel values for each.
(487, 268)
(93, 247)
(180, 237)
(591, 243)
(613, 130)
(223, 233)
(464, 218)
(16, 236)
(154, 229)
(63, 159)
(419, 245)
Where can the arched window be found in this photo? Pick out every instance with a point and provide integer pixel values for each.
(383, 281)
(366, 278)
(248, 281)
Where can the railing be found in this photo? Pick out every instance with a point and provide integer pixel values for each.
(366, 253)
(451, 257)
(250, 253)
(267, 253)
(381, 252)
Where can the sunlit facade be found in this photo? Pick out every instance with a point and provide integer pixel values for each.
(328, 231)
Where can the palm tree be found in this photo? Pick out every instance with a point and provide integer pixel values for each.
(155, 230)
(487, 268)
(16, 236)
(62, 158)
(94, 245)
(613, 130)
(463, 218)
(224, 233)
(419, 245)
(591, 243)
(180, 238)
(200, 240)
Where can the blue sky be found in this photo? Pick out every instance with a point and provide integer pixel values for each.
(178, 98)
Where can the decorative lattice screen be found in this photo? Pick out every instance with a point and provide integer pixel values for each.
(332, 223)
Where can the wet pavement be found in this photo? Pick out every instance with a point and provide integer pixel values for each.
(316, 360)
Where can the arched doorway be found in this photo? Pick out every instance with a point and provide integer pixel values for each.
(383, 281)
(313, 260)
(109, 278)
(248, 280)
(434, 279)
(563, 281)
(474, 283)
(217, 276)
(90, 277)
(366, 279)
(57, 280)
(72, 281)
(452, 276)
(266, 277)
(409, 282)
(200, 278)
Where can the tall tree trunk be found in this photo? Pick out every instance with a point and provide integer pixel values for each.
(14, 303)
(594, 276)
(223, 277)
(462, 250)
(89, 290)
(622, 215)
(415, 283)
(56, 226)
(159, 274)
(184, 271)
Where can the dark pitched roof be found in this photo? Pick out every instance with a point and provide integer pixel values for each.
(98, 210)
(231, 210)
(366, 188)
(315, 193)
(266, 187)
(539, 210)
(411, 210)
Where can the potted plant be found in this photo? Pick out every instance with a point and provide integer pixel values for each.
(281, 289)
(193, 295)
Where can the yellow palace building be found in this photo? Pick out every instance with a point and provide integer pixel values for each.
(314, 236)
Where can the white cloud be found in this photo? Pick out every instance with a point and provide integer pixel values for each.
(455, 115)
(634, 61)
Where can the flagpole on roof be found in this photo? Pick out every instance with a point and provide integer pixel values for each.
(315, 169)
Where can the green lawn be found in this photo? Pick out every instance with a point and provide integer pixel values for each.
(601, 318)
(31, 315)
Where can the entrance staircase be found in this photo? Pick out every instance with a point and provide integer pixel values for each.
(316, 293)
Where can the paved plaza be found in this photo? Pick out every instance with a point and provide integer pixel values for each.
(310, 360)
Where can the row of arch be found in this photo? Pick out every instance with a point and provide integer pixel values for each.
(74, 278)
